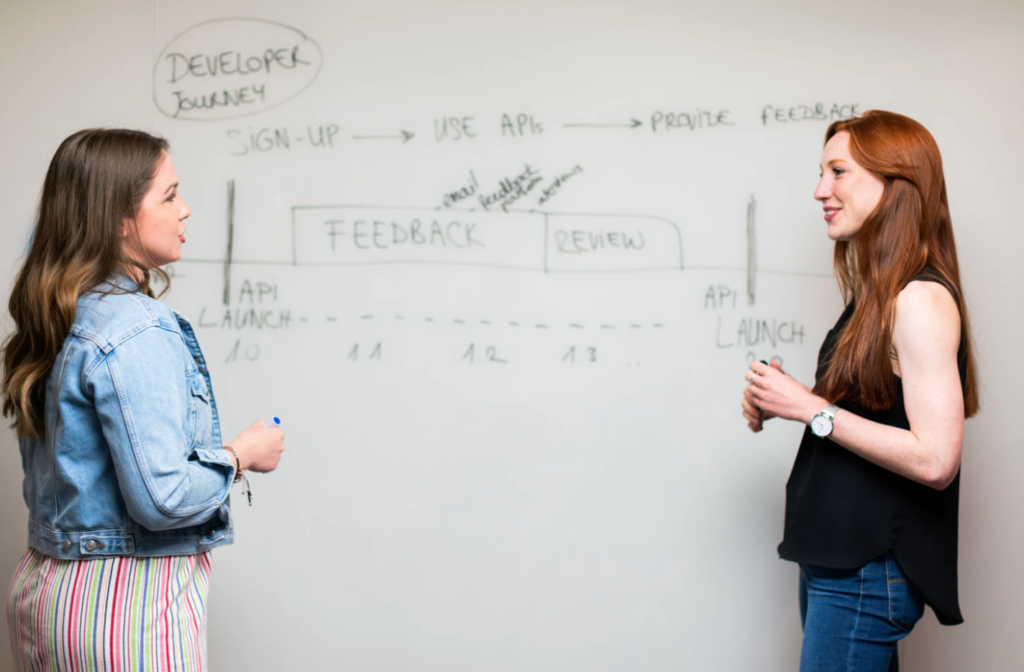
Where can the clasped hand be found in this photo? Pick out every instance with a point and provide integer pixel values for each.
(775, 393)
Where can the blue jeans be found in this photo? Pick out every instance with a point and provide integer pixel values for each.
(853, 618)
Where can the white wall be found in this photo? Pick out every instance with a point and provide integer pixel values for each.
(435, 513)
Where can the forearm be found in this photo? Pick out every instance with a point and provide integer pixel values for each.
(196, 499)
(895, 449)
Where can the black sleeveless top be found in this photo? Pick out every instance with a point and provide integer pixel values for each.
(843, 511)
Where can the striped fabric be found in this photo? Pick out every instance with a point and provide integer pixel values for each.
(122, 613)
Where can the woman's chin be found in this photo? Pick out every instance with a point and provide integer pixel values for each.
(837, 234)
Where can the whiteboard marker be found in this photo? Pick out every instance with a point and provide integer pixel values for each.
(276, 422)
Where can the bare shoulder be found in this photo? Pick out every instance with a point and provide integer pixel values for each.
(928, 315)
(923, 299)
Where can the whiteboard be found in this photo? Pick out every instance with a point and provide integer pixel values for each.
(500, 270)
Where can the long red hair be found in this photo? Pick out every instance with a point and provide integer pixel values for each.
(908, 230)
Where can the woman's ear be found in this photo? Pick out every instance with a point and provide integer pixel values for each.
(129, 238)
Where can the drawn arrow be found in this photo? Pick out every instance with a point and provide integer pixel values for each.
(633, 123)
(405, 137)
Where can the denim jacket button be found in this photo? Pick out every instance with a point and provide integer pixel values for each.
(66, 546)
(91, 545)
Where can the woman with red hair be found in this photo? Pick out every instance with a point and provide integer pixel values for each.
(872, 501)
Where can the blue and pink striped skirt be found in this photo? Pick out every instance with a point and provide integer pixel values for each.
(116, 614)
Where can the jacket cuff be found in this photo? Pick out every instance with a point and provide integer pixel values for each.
(214, 456)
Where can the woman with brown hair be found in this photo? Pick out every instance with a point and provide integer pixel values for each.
(872, 501)
(126, 479)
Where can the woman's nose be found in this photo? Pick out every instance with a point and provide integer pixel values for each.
(824, 190)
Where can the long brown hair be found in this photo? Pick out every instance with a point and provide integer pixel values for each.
(94, 185)
(908, 230)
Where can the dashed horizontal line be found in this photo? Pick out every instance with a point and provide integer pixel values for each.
(489, 323)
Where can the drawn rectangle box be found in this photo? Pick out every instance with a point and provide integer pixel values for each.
(356, 234)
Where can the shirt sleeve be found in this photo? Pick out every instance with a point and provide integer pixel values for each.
(145, 401)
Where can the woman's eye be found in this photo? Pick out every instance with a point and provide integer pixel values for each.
(837, 172)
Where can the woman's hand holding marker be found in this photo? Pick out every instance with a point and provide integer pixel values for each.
(260, 445)
(771, 392)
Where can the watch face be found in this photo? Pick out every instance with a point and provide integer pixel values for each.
(821, 425)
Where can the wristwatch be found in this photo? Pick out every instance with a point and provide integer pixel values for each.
(821, 424)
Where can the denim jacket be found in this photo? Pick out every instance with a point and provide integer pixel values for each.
(131, 461)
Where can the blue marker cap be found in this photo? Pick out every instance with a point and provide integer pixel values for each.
(276, 422)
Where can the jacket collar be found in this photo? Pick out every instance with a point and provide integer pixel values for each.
(118, 281)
